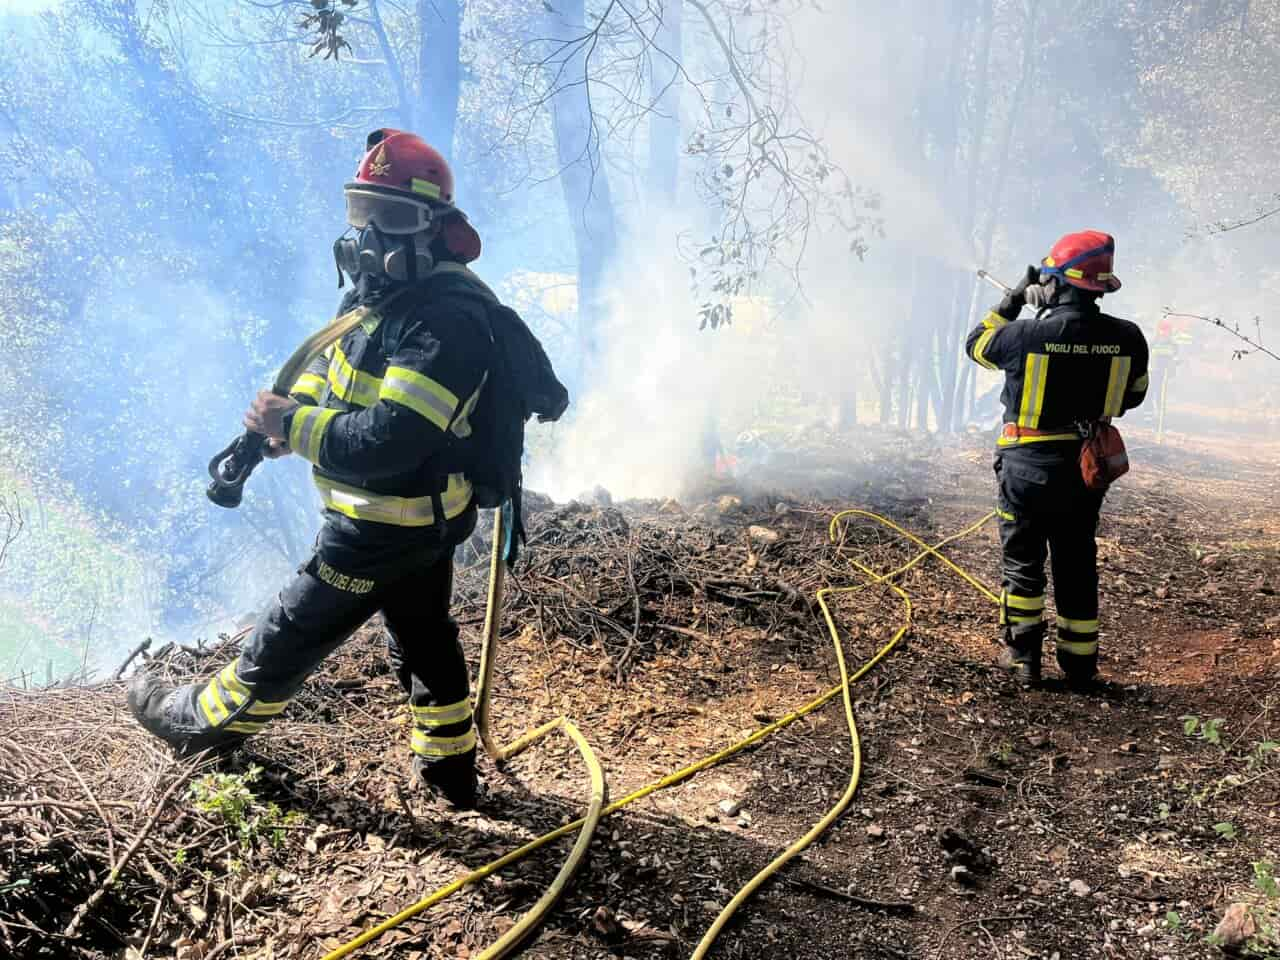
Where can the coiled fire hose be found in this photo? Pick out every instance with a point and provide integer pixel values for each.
(586, 825)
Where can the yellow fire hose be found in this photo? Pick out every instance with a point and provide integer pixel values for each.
(588, 824)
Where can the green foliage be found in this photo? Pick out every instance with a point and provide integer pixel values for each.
(1264, 878)
(1261, 753)
(68, 583)
(1173, 920)
(230, 796)
(1208, 730)
(1226, 830)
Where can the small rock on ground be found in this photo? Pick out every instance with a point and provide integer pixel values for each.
(1236, 928)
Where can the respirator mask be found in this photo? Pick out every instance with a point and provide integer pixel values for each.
(1041, 294)
(389, 240)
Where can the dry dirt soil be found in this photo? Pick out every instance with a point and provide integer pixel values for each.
(990, 822)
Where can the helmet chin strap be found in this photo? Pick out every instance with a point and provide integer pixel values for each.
(374, 260)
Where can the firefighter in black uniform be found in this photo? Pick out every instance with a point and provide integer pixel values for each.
(377, 416)
(1066, 367)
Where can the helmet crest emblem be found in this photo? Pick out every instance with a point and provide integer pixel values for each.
(380, 166)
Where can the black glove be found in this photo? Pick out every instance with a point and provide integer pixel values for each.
(1016, 298)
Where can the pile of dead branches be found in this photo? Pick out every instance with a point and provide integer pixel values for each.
(108, 842)
(634, 581)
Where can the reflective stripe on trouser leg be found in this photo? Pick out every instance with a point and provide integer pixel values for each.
(1017, 610)
(227, 703)
(433, 746)
(1078, 638)
(1078, 647)
(1073, 547)
(427, 656)
(308, 621)
(1024, 549)
(443, 730)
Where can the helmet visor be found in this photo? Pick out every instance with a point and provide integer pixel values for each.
(389, 212)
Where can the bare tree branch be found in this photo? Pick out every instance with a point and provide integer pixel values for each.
(12, 521)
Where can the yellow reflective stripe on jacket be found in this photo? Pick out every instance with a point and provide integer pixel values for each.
(400, 511)
(443, 715)
(1078, 626)
(428, 746)
(309, 385)
(306, 432)
(980, 347)
(1033, 380)
(351, 385)
(424, 396)
(1009, 442)
(993, 322)
(1016, 602)
(1117, 386)
(1078, 648)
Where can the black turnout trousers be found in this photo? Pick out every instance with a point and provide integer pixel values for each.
(334, 593)
(1047, 512)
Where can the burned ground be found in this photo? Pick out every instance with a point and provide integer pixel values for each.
(990, 822)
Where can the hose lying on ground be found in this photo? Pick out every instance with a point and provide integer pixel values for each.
(596, 809)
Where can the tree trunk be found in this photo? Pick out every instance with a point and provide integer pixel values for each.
(440, 73)
(996, 193)
(583, 178)
(664, 120)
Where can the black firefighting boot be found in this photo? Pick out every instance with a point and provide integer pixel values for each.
(1079, 673)
(159, 707)
(1020, 652)
(453, 778)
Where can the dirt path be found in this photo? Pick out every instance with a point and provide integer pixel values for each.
(991, 822)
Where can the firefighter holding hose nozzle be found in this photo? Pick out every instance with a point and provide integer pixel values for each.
(1068, 369)
(386, 418)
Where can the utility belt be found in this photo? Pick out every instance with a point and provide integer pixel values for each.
(1103, 458)
(361, 504)
(1011, 435)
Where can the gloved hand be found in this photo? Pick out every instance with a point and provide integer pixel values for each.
(266, 414)
(1016, 298)
(275, 449)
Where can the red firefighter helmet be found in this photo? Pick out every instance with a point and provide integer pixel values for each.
(402, 185)
(1084, 260)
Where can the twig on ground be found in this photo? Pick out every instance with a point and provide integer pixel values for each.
(97, 895)
(143, 646)
(894, 906)
(1011, 918)
(111, 843)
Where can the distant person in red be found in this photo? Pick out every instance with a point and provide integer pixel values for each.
(1066, 367)
(1173, 337)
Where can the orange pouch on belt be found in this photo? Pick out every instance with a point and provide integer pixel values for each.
(1103, 458)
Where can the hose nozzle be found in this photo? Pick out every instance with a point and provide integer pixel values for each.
(994, 282)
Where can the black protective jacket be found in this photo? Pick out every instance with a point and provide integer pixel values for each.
(385, 409)
(1070, 363)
